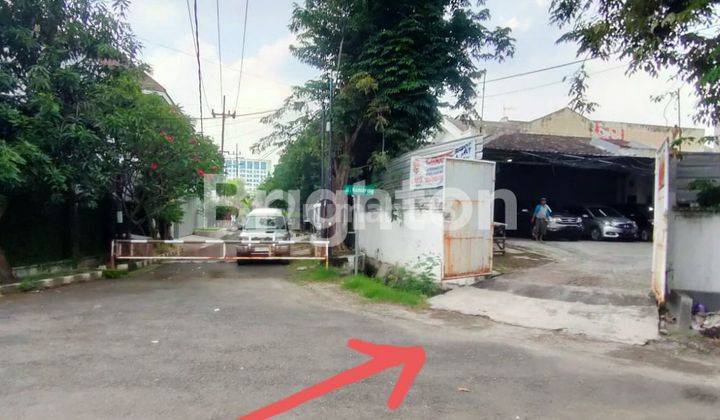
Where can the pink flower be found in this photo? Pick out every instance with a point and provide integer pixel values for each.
(154, 166)
(201, 172)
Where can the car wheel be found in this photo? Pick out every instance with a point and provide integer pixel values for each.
(595, 234)
(645, 235)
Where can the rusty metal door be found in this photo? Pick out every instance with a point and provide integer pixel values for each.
(468, 202)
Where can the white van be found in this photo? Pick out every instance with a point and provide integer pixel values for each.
(263, 232)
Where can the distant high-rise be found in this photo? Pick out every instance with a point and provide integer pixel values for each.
(251, 171)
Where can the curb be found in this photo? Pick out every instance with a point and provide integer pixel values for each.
(53, 282)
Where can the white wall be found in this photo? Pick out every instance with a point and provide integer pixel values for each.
(192, 218)
(414, 235)
(695, 251)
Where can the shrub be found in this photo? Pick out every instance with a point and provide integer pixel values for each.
(225, 212)
(114, 274)
(419, 278)
(28, 285)
(708, 192)
(226, 189)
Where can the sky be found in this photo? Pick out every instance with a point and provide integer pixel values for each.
(269, 69)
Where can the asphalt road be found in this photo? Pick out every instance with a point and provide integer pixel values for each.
(217, 341)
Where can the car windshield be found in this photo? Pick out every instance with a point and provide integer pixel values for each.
(265, 222)
(603, 211)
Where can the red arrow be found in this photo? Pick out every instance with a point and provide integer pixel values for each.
(383, 357)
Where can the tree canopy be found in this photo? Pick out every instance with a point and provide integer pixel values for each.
(75, 126)
(654, 35)
(390, 65)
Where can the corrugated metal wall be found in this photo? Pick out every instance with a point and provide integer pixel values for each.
(396, 179)
(692, 166)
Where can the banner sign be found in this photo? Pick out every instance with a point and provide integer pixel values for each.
(429, 171)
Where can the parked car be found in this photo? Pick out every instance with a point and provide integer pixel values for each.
(643, 215)
(263, 234)
(561, 225)
(604, 222)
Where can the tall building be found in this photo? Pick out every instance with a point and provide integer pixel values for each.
(251, 171)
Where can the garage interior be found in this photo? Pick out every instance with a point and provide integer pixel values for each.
(566, 170)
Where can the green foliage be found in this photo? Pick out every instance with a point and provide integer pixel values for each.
(374, 290)
(319, 273)
(708, 192)
(407, 289)
(388, 64)
(680, 36)
(74, 123)
(418, 279)
(53, 55)
(159, 159)
(27, 285)
(225, 212)
(115, 274)
(299, 166)
(226, 189)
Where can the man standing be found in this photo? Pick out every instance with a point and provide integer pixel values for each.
(540, 217)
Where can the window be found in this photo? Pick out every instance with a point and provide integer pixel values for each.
(263, 165)
(602, 211)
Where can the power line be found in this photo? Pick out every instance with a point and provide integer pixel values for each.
(192, 33)
(242, 55)
(511, 76)
(249, 114)
(549, 84)
(207, 60)
(219, 47)
(197, 55)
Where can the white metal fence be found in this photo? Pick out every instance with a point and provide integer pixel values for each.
(218, 250)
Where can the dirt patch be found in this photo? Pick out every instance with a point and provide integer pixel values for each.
(667, 358)
(518, 260)
(699, 395)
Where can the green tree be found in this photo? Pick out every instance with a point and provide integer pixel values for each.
(157, 158)
(299, 166)
(654, 35)
(389, 64)
(52, 54)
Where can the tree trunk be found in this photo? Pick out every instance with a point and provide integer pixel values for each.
(6, 273)
(74, 226)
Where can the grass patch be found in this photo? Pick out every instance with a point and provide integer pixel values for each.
(114, 274)
(28, 285)
(368, 287)
(312, 271)
(375, 290)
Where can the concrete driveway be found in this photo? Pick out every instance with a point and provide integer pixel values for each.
(217, 341)
(605, 264)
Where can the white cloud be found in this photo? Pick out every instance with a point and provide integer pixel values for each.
(262, 88)
(620, 97)
(517, 24)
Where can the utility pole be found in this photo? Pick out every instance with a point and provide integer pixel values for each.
(223, 115)
(482, 107)
(237, 162)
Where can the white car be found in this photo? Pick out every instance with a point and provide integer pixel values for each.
(263, 234)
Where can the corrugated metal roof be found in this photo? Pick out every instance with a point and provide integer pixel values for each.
(544, 143)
